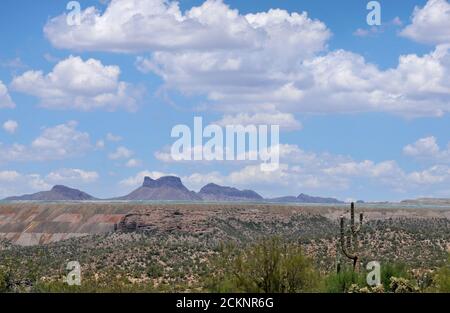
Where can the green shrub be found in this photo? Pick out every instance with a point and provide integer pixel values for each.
(155, 270)
(442, 278)
(269, 266)
(389, 270)
(402, 285)
(4, 280)
(345, 281)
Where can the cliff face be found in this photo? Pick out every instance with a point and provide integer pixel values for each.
(164, 188)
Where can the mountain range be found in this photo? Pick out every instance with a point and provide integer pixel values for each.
(57, 193)
(213, 192)
(171, 188)
(427, 201)
(302, 198)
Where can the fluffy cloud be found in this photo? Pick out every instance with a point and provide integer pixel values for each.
(120, 153)
(430, 24)
(77, 84)
(423, 146)
(438, 174)
(112, 137)
(133, 163)
(293, 179)
(8, 176)
(365, 168)
(339, 81)
(10, 126)
(72, 175)
(427, 148)
(100, 144)
(54, 143)
(251, 66)
(16, 183)
(284, 120)
(165, 155)
(138, 179)
(302, 170)
(323, 173)
(155, 25)
(5, 98)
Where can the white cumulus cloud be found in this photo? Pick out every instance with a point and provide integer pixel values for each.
(284, 120)
(324, 173)
(72, 175)
(10, 126)
(5, 98)
(264, 62)
(149, 25)
(112, 137)
(120, 153)
(430, 24)
(54, 143)
(14, 183)
(428, 148)
(77, 84)
(133, 163)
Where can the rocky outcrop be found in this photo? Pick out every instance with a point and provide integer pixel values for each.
(164, 188)
(170, 221)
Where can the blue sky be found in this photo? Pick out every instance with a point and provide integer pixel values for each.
(364, 110)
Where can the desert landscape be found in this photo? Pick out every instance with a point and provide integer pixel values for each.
(132, 246)
(208, 148)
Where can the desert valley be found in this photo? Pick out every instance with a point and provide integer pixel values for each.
(164, 237)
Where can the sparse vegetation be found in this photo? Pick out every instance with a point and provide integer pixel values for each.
(182, 252)
(268, 266)
(442, 278)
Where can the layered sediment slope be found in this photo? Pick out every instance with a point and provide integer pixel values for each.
(40, 223)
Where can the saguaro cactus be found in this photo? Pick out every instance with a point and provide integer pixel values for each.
(349, 245)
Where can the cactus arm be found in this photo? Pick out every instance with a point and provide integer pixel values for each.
(358, 228)
(344, 250)
(349, 244)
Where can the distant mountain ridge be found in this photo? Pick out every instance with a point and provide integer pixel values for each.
(57, 193)
(214, 192)
(171, 188)
(429, 201)
(163, 188)
(303, 198)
